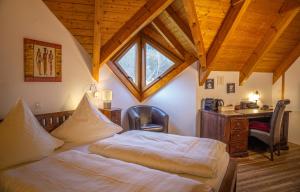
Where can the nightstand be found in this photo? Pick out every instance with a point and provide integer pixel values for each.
(114, 114)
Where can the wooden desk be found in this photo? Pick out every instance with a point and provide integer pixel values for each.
(232, 128)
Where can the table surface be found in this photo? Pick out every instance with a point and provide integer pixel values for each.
(243, 112)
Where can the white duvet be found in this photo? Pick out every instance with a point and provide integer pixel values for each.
(74, 171)
(167, 152)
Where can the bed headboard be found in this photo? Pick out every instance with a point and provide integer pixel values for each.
(50, 121)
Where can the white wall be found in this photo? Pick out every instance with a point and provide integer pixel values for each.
(261, 82)
(32, 19)
(292, 92)
(178, 99)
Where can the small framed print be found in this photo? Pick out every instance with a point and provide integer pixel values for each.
(42, 61)
(230, 87)
(210, 84)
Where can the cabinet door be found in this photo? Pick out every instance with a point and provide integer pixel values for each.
(239, 135)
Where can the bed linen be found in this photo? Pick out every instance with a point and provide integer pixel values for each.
(215, 182)
(167, 152)
(77, 171)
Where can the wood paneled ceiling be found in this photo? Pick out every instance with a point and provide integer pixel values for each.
(224, 35)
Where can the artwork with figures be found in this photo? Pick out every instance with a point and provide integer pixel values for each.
(230, 87)
(42, 61)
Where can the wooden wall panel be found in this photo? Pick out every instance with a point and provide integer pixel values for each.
(116, 13)
(174, 29)
(211, 15)
(78, 17)
(284, 45)
(253, 25)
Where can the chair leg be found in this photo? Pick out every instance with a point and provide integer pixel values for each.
(271, 151)
(278, 149)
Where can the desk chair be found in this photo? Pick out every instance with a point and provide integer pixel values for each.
(269, 133)
(148, 118)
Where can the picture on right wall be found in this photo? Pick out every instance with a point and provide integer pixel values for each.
(230, 87)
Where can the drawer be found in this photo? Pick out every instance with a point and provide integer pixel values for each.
(239, 124)
(238, 147)
(239, 136)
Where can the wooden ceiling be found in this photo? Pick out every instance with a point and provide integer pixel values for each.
(223, 35)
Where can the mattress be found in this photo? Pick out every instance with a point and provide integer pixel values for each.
(215, 182)
(77, 172)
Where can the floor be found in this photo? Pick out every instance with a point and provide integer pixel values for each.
(257, 173)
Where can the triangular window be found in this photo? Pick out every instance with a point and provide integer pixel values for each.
(141, 64)
(156, 64)
(129, 63)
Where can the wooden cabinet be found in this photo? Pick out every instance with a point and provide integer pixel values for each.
(231, 129)
(238, 142)
(114, 114)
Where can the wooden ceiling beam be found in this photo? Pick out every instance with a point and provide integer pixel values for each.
(166, 33)
(190, 10)
(229, 24)
(153, 34)
(139, 20)
(286, 63)
(97, 39)
(182, 25)
(286, 14)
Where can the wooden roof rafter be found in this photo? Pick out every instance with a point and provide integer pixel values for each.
(287, 13)
(151, 32)
(286, 63)
(190, 10)
(97, 38)
(139, 20)
(182, 25)
(162, 29)
(229, 24)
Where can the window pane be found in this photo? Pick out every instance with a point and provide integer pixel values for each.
(156, 64)
(128, 63)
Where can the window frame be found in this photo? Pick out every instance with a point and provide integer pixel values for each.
(161, 50)
(121, 53)
(140, 88)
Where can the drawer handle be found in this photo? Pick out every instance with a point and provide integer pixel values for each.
(238, 124)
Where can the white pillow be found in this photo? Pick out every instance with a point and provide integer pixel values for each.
(22, 139)
(87, 124)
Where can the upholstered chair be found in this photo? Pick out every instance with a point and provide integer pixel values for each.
(147, 118)
(269, 133)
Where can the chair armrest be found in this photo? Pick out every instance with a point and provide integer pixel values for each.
(161, 118)
(134, 119)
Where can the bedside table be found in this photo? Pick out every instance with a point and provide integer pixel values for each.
(114, 114)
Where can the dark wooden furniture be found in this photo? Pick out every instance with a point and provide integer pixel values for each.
(232, 128)
(51, 121)
(271, 136)
(114, 114)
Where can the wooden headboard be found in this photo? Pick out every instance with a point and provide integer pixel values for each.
(50, 121)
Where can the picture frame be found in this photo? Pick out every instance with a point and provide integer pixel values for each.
(42, 61)
(210, 84)
(230, 87)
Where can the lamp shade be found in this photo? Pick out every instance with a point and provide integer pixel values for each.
(107, 95)
(254, 96)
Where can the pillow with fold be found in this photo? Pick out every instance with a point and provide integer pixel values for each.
(87, 124)
(22, 139)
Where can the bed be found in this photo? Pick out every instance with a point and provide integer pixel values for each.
(226, 181)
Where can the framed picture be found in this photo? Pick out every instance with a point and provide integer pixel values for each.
(42, 61)
(230, 87)
(210, 84)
